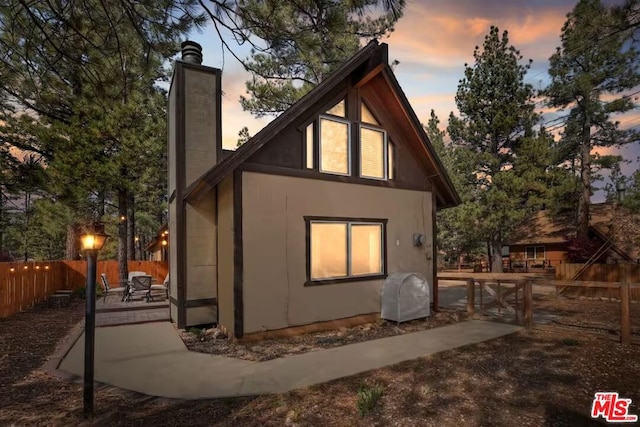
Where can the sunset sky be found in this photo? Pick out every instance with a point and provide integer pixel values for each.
(433, 41)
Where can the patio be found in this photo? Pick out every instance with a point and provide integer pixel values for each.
(116, 312)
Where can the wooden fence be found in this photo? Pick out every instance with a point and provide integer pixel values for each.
(623, 273)
(23, 284)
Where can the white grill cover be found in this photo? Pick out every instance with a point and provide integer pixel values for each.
(405, 296)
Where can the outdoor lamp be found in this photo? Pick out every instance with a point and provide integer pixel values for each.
(91, 241)
(621, 187)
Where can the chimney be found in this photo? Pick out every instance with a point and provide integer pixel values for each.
(194, 147)
(191, 52)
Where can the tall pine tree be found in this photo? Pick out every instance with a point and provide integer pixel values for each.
(595, 60)
(496, 113)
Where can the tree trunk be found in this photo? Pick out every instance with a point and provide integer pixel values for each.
(496, 257)
(585, 180)
(122, 236)
(71, 247)
(131, 227)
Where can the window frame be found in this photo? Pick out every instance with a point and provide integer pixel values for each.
(319, 144)
(385, 151)
(349, 222)
(535, 253)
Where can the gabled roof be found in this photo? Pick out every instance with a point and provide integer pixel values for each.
(368, 61)
(606, 221)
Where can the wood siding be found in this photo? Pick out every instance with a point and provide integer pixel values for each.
(32, 282)
(286, 151)
(555, 253)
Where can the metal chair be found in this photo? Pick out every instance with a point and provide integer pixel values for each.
(141, 284)
(107, 290)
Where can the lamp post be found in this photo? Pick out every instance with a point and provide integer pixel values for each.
(91, 241)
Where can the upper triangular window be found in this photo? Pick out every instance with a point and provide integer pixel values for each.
(338, 109)
(366, 116)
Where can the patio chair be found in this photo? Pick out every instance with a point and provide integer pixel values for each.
(133, 274)
(164, 287)
(141, 284)
(108, 290)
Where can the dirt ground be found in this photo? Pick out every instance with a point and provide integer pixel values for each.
(208, 341)
(543, 377)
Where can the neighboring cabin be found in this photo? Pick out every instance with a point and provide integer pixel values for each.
(303, 222)
(541, 240)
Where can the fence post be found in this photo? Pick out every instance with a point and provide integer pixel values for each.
(625, 318)
(471, 299)
(528, 304)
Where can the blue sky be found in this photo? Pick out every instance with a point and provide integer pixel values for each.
(433, 41)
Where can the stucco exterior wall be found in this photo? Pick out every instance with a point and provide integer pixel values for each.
(199, 122)
(201, 259)
(274, 249)
(225, 254)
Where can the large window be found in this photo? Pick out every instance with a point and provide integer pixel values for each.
(344, 249)
(335, 152)
(535, 253)
(328, 144)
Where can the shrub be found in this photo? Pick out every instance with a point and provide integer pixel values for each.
(368, 398)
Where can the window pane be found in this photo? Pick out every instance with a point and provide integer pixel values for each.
(390, 160)
(309, 140)
(372, 153)
(334, 146)
(328, 250)
(366, 116)
(366, 249)
(540, 252)
(531, 252)
(338, 109)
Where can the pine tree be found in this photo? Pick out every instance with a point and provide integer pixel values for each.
(497, 112)
(595, 59)
(300, 42)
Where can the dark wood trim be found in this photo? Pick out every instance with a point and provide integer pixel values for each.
(173, 300)
(172, 196)
(217, 208)
(316, 174)
(327, 325)
(179, 239)
(434, 254)
(309, 218)
(238, 261)
(344, 280)
(202, 302)
(307, 228)
(219, 152)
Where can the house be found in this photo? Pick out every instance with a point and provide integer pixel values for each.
(157, 248)
(541, 240)
(302, 223)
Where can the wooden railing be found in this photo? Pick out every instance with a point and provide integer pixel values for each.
(24, 284)
(526, 282)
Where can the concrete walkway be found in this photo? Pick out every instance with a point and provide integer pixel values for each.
(151, 358)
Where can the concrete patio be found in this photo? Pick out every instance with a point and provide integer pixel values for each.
(151, 358)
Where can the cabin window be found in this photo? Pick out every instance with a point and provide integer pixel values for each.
(328, 144)
(366, 116)
(345, 249)
(309, 147)
(338, 110)
(373, 153)
(335, 152)
(535, 252)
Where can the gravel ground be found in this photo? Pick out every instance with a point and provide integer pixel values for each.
(543, 377)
